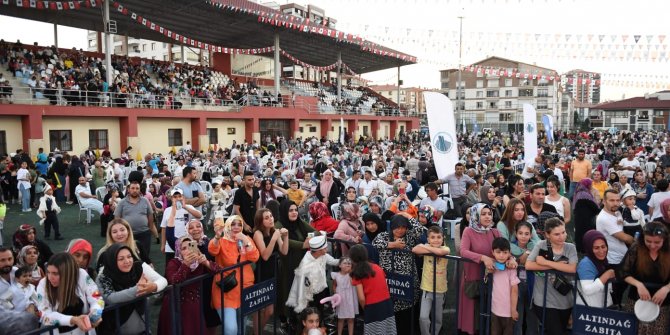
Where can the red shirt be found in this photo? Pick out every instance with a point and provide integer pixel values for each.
(374, 288)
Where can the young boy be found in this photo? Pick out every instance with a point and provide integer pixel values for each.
(505, 292)
(310, 284)
(295, 194)
(48, 212)
(22, 276)
(435, 246)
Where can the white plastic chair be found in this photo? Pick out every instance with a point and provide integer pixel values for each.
(101, 192)
(335, 209)
(89, 214)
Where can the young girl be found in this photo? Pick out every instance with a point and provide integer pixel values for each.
(348, 308)
(48, 212)
(523, 236)
(311, 321)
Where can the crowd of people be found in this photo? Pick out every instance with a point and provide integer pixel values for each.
(78, 78)
(332, 221)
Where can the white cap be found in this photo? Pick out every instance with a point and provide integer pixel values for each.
(175, 191)
(317, 243)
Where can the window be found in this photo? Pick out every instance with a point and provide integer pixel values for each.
(312, 129)
(493, 104)
(492, 83)
(542, 92)
(505, 117)
(480, 105)
(174, 138)
(61, 139)
(508, 93)
(528, 92)
(480, 94)
(164, 45)
(445, 85)
(365, 130)
(508, 82)
(91, 44)
(98, 139)
(231, 131)
(480, 83)
(542, 104)
(153, 46)
(213, 134)
(508, 104)
(144, 47)
(165, 58)
(301, 129)
(3, 142)
(492, 93)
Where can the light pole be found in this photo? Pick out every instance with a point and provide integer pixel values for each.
(458, 83)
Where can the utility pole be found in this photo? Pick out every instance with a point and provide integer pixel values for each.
(458, 83)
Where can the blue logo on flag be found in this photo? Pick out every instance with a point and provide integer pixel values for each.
(530, 127)
(443, 143)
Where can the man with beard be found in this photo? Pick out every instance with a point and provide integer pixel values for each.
(137, 210)
(11, 298)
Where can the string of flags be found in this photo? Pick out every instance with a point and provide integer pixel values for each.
(53, 5)
(185, 39)
(303, 64)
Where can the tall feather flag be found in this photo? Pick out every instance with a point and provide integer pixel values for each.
(529, 134)
(442, 129)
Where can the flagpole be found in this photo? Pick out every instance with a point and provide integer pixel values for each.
(458, 83)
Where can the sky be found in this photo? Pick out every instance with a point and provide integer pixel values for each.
(556, 34)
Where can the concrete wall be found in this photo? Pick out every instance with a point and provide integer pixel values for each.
(225, 140)
(306, 124)
(153, 134)
(80, 127)
(11, 125)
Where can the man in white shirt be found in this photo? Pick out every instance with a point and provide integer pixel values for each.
(657, 199)
(610, 223)
(11, 299)
(629, 165)
(366, 185)
(354, 181)
(433, 200)
(181, 220)
(86, 199)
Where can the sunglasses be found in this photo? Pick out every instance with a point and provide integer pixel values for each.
(655, 231)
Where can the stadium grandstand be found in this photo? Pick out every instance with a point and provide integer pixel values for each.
(64, 98)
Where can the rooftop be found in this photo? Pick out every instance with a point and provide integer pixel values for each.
(659, 100)
(238, 24)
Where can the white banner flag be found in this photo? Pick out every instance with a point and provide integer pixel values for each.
(442, 129)
(341, 130)
(529, 134)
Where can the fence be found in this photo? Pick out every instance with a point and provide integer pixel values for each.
(251, 302)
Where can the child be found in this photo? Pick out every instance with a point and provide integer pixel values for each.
(40, 185)
(295, 194)
(505, 292)
(310, 284)
(435, 246)
(348, 307)
(218, 200)
(311, 322)
(48, 212)
(108, 208)
(633, 217)
(23, 276)
(523, 234)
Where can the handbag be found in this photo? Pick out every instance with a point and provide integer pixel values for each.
(229, 282)
(471, 288)
(560, 283)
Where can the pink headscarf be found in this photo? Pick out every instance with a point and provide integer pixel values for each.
(325, 185)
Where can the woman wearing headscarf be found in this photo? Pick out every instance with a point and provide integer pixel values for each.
(196, 232)
(27, 235)
(82, 251)
(350, 228)
(187, 263)
(57, 174)
(230, 246)
(328, 189)
(585, 211)
(593, 273)
(28, 258)
(665, 213)
(489, 197)
(123, 279)
(321, 219)
(405, 234)
(298, 244)
(373, 227)
(475, 245)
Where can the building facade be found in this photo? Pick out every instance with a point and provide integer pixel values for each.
(493, 91)
(649, 112)
(584, 89)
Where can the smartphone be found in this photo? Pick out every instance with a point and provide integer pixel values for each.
(193, 247)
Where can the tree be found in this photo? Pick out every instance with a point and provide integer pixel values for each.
(586, 125)
(575, 122)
